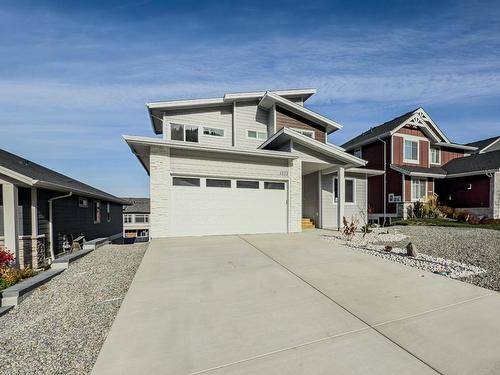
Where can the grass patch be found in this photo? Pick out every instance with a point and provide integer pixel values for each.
(443, 222)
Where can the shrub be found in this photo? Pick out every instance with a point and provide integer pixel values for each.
(447, 211)
(349, 228)
(6, 258)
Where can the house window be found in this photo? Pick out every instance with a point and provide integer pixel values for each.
(108, 212)
(418, 189)
(274, 185)
(218, 183)
(127, 218)
(411, 151)
(307, 133)
(141, 218)
(349, 190)
(181, 132)
(357, 153)
(185, 181)
(240, 184)
(254, 134)
(213, 132)
(83, 202)
(97, 212)
(435, 156)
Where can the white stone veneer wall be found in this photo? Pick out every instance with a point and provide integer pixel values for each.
(159, 191)
(295, 196)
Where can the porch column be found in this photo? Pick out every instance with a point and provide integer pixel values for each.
(10, 224)
(341, 196)
(34, 227)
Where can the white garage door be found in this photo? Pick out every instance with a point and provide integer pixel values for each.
(211, 206)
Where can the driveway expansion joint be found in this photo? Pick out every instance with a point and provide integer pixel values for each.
(370, 326)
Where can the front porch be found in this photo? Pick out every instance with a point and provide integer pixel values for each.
(19, 229)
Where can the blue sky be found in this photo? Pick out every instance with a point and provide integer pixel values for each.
(74, 76)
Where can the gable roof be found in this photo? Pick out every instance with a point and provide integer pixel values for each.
(34, 174)
(379, 130)
(483, 144)
(156, 109)
(137, 205)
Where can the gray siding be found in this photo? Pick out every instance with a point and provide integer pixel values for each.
(218, 117)
(351, 210)
(249, 117)
(310, 196)
(23, 212)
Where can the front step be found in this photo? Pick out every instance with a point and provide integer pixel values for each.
(308, 223)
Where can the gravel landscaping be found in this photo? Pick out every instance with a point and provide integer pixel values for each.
(60, 328)
(467, 254)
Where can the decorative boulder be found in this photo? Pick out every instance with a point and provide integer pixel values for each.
(411, 250)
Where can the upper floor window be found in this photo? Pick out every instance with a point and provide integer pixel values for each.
(213, 132)
(357, 152)
(181, 132)
(307, 133)
(411, 150)
(127, 218)
(141, 218)
(254, 134)
(435, 155)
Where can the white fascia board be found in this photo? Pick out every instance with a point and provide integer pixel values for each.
(473, 173)
(416, 174)
(259, 94)
(395, 130)
(367, 171)
(64, 189)
(271, 98)
(368, 141)
(454, 145)
(434, 125)
(191, 103)
(326, 149)
(17, 176)
(491, 144)
(132, 140)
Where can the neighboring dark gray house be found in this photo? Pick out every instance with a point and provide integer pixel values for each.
(136, 220)
(486, 145)
(39, 207)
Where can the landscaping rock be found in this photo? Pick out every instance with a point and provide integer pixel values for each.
(411, 250)
(60, 328)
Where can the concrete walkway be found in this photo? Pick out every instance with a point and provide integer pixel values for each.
(296, 304)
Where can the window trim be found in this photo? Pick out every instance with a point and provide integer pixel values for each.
(257, 135)
(245, 187)
(335, 199)
(213, 136)
(108, 212)
(360, 152)
(274, 182)
(96, 204)
(83, 199)
(301, 131)
(412, 188)
(130, 216)
(438, 154)
(190, 178)
(184, 131)
(412, 161)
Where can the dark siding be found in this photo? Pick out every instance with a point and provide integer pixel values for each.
(69, 218)
(461, 196)
(287, 119)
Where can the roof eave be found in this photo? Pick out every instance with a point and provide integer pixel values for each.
(455, 145)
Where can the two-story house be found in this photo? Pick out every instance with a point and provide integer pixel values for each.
(420, 160)
(254, 162)
(136, 220)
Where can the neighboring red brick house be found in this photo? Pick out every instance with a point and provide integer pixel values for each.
(420, 160)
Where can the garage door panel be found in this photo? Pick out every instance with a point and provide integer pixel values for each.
(213, 210)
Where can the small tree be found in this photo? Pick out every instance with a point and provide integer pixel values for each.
(349, 229)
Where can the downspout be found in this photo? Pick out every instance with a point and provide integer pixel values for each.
(51, 227)
(385, 177)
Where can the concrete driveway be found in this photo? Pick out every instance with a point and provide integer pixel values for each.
(296, 304)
